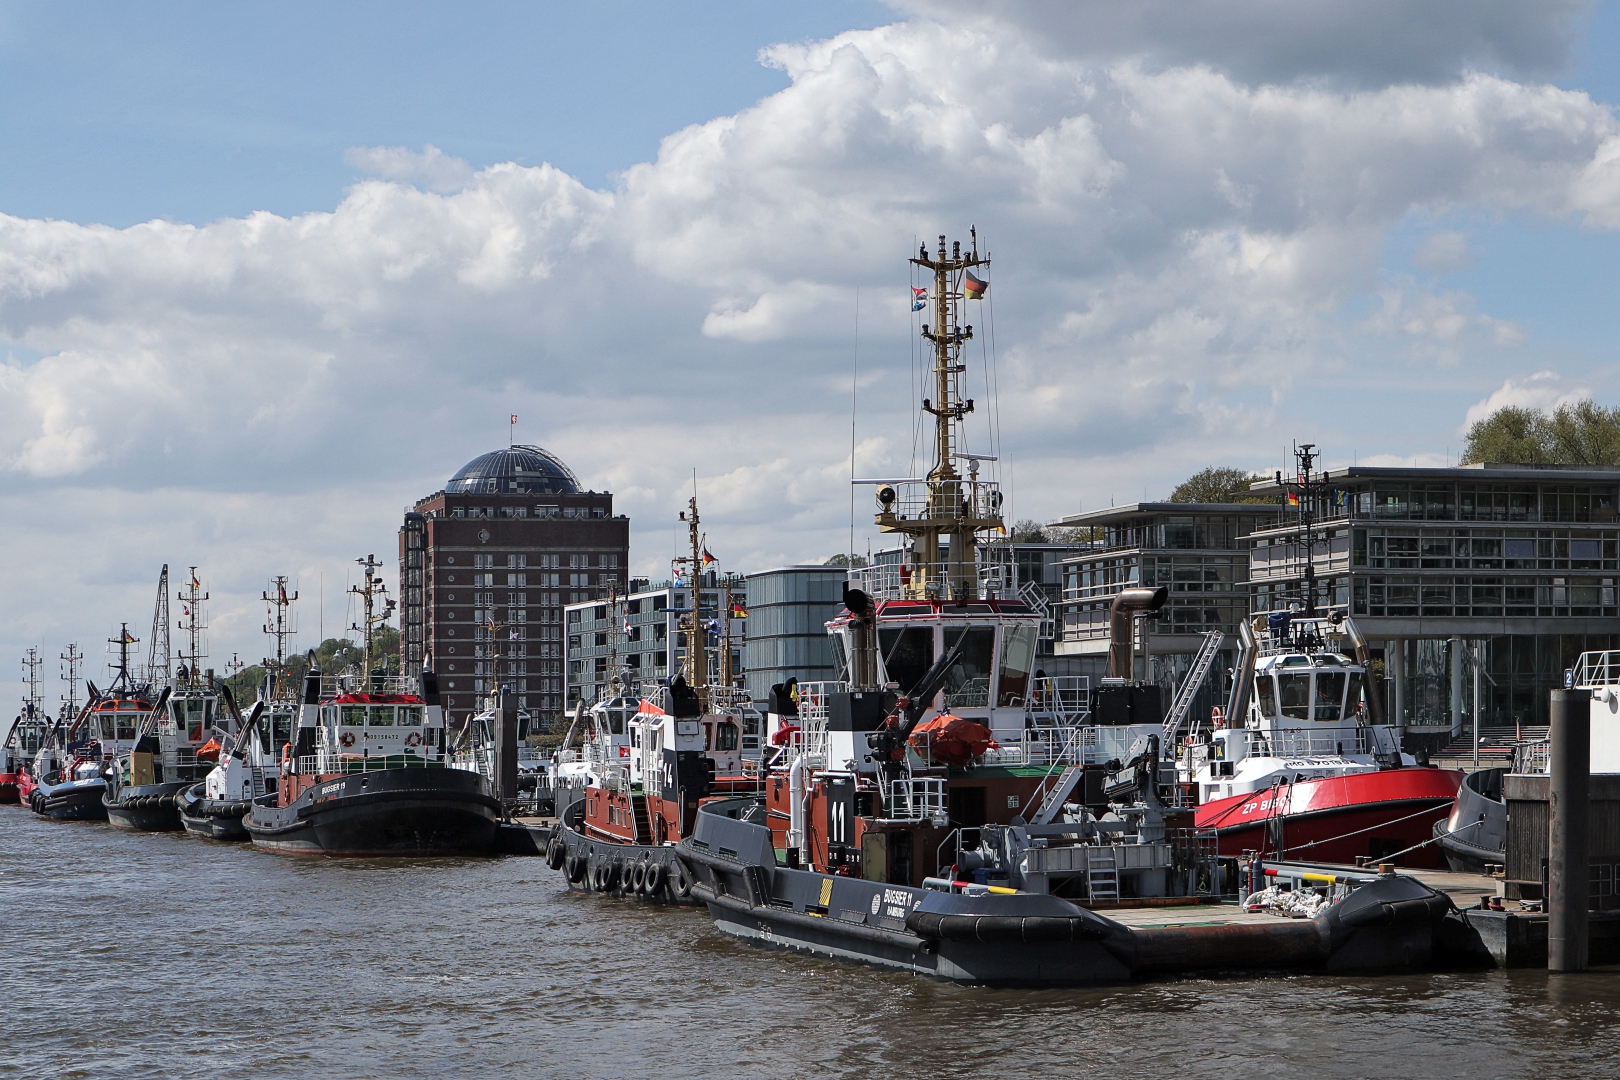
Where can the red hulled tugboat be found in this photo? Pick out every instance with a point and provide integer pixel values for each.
(682, 744)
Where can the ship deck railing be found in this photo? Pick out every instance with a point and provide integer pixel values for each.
(1533, 756)
(1594, 669)
(913, 798)
(347, 683)
(1294, 742)
(350, 763)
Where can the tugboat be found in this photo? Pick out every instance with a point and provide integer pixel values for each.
(655, 757)
(248, 764)
(177, 746)
(946, 764)
(365, 774)
(1303, 766)
(26, 734)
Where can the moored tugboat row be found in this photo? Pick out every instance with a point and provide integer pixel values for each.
(941, 806)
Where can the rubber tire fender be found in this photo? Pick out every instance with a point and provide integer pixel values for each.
(655, 878)
(576, 869)
(637, 877)
(556, 855)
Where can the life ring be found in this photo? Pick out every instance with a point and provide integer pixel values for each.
(413, 739)
(347, 739)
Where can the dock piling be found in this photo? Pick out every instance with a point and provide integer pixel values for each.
(506, 755)
(1568, 789)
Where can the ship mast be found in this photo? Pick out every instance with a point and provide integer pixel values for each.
(31, 661)
(157, 657)
(945, 522)
(278, 620)
(73, 658)
(697, 665)
(192, 600)
(370, 591)
(122, 642)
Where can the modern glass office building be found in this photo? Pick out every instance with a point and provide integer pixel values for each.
(1509, 569)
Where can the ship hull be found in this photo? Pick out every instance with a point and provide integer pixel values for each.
(9, 789)
(214, 819)
(147, 807)
(77, 800)
(1031, 939)
(382, 814)
(650, 872)
(1339, 819)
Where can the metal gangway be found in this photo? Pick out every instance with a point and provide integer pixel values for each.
(1203, 660)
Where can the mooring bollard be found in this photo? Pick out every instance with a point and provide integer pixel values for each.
(1568, 789)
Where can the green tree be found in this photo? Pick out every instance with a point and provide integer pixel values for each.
(1576, 433)
(844, 560)
(1219, 484)
(1514, 435)
(1027, 531)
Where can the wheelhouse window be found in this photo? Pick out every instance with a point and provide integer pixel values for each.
(1294, 690)
(908, 653)
(725, 736)
(353, 715)
(968, 684)
(1017, 657)
(410, 716)
(1329, 695)
(1265, 690)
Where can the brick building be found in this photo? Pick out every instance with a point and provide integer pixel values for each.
(487, 566)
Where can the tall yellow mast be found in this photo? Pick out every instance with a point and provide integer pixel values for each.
(944, 521)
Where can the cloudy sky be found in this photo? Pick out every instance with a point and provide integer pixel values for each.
(269, 273)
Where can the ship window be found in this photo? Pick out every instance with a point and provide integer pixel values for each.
(1295, 694)
(1017, 654)
(1329, 695)
(725, 736)
(968, 684)
(1352, 703)
(708, 736)
(1266, 691)
(126, 727)
(108, 725)
(410, 716)
(908, 652)
(382, 716)
(354, 715)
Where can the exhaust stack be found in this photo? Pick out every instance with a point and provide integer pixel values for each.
(1121, 638)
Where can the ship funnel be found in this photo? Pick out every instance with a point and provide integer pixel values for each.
(1121, 636)
(1237, 703)
(1375, 685)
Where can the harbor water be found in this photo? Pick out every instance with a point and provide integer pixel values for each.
(162, 955)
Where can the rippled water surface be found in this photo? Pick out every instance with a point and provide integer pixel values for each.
(137, 956)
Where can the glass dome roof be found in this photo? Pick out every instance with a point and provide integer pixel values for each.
(518, 470)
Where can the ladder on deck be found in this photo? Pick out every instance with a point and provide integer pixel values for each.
(638, 813)
(1055, 798)
(1203, 660)
(1102, 875)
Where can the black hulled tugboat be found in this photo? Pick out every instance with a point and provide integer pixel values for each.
(365, 773)
(177, 741)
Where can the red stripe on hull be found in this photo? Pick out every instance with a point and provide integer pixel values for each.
(1339, 818)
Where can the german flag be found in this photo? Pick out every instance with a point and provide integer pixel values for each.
(972, 287)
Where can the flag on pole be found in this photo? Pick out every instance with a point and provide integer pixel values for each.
(919, 298)
(738, 611)
(514, 418)
(972, 287)
(1293, 498)
(707, 558)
